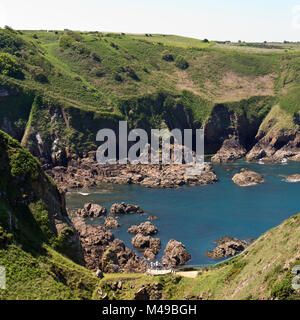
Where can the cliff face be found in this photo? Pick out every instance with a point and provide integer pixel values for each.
(278, 137)
(75, 84)
(35, 211)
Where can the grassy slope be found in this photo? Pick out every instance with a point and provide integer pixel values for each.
(99, 72)
(35, 270)
(263, 271)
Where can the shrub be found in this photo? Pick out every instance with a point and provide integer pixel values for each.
(40, 77)
(167, 56)
(131, 73)
(114, 46)
(99, 73)
(95, 57)
(283, 290)
(181, 63)
(9, 67)
(65, 42)
(118, 78)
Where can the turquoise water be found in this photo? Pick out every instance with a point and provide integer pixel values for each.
(197, 216)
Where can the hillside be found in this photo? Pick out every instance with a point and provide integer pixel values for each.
(63, 86)
(58, 88)
(37, 238)
(263, 271)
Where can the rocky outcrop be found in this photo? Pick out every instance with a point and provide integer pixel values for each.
(92, 210)
(247, 178)
(293, 178)
(175, 254)
(26, 187)
(87, 172)
(149, 245)
(111, 223)
(123, 208)
(146, 229)
(276, 146)
(278, 137)
(149, 292)
(102, 251)
(227, 246)
(231, 150)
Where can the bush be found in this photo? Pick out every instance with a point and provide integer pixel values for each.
(118, 78)
(167, 56)
(65, 42)
(99, 73)
(95, 57)
(40, 77)
(131, 73)
(181, 63)
(283, 290)
(9, 67)
(114, 46)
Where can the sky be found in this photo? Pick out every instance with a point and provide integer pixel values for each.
(246, 20)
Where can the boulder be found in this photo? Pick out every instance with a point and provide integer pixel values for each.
(92, 210)
(141, 294)
(111, 223)
(123, 208)
(175, 254)
(146, 242)
(247, 178)
(146, 229)
(227, 246)
(102, 251)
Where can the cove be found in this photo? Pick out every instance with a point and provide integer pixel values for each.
(199, 215)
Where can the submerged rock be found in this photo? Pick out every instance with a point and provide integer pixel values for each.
(227, 246)
(247, 178)
(175, 254)
(293, 178)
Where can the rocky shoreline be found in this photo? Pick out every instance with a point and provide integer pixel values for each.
(103, 252)
(86, 172)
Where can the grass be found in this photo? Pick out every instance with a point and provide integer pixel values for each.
(98, 73)
(44, 277)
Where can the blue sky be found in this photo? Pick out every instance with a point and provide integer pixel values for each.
(249, 20)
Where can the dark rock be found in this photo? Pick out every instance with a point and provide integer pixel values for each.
(175, 254)
(92, 210)
(146, 229)
(142, 294)
(227, 246)
(124, 208)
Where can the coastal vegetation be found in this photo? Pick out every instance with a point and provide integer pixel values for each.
(58, 88)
